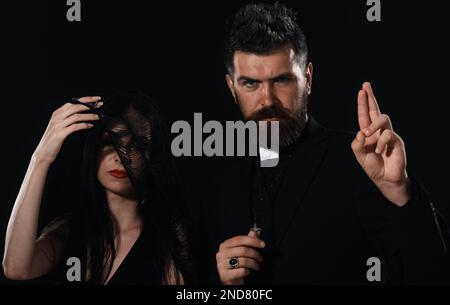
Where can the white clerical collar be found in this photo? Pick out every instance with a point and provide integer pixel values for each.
(268, 154)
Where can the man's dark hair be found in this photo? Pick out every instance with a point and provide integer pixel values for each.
(262, 28)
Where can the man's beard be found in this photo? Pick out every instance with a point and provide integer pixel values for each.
(292, 124)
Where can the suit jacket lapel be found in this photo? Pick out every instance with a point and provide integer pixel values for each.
(307, 157)
(235, 215)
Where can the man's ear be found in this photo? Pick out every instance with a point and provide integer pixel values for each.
(230, 84)
(309, 76)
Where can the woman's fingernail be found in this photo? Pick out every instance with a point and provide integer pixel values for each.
(263, 244)
(366, 131)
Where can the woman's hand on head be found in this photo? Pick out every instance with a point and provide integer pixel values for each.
(64, 121)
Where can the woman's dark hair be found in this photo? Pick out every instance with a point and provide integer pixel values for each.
(261, 28)
(143, 147)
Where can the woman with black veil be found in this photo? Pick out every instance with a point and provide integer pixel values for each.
(126, 229)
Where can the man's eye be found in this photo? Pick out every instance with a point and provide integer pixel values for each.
(250, 83)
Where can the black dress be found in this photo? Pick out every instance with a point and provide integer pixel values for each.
(137, 268)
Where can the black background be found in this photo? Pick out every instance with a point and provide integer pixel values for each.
(173, 52)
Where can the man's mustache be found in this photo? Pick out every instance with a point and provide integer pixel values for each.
(272, 111)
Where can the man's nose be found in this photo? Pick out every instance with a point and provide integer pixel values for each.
(268, 95)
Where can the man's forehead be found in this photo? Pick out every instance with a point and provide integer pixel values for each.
(280, 61)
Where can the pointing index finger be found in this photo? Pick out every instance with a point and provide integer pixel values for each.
(363, 110)
(374, 110)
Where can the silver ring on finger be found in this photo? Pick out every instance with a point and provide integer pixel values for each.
(234, 262)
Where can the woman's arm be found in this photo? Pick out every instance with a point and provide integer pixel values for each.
(26, 257)
(20, 242)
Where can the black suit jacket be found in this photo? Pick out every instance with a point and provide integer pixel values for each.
(327, 220)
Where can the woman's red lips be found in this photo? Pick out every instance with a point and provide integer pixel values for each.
(118, 173)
